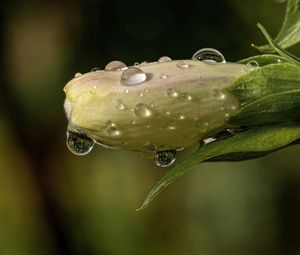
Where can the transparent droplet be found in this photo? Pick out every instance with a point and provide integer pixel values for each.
(186, 96)
(142, 110)
(133, 76)
(163, 76)
(110, 123)
(79, 143)
(164, 59)
(77, 75)
(141, 94)
(121, 106)
(95, 69)
(209, 140)
(183, 65)
(126, 91)
(113, 131)
(136, 63)
(115, 65)
(209, 55)
(251, 65)
(218, 94)
(165, 158)
(172, 93)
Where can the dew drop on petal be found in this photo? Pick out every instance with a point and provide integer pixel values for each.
(165, 158)
(209, 55)
(183, 65)
(77, 75)
(172, 93)
(218, 94)
(251, 65)
(113, 131)
(142, 110)
(115, 65)
(163, 76)
(133, 76)
(186, 96)
(164, 59)
(79, 143)
(121, 106)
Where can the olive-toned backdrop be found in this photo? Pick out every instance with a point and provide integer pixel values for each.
(52, 202)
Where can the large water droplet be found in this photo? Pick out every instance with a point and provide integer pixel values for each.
(115, 65)
(165, 158)
(186, 96)
(79, 143)
(183, 65)
(172, 93)
(133, 76)
(209, 55)
(142, 110)
(164, 59)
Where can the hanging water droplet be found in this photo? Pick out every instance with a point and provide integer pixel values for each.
(209, 55)
(164, 59)
(113, 131)
(183, 65)
(133, 76)
(165, 158)
(96, 69)
(163, 76)
(115, 65)
(218, 94)
(77, 75)
(172, 93)
(79, 143)
(121, 106)
(251, 65)
(142, 110)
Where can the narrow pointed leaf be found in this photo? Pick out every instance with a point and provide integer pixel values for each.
(260, 140)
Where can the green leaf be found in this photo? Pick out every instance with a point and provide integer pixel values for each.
(288, 56)
(258, 141)
(289, 33)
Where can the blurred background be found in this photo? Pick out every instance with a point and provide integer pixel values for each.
(52, 202)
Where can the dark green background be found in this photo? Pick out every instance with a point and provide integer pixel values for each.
(52, 202)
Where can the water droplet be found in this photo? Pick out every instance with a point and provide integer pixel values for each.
(96, 69)
(126, 91)
(133, 76)
(186, 96)
(79, 143)
(164, 59)
(165, 158)
(121, 106)
(113, 131)
(172, 93)
(110, 123)
(94, 87)
(179, 117)
(115, 66)
(141, 94)
(183, 65)
(209, 55)
(163, 76)
(136, 64)
(216, 93)
(142, 110)
(251, 65)
(209, 140)
(146, 90)
(77, 75)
